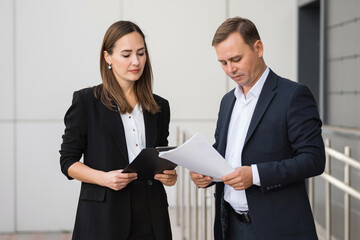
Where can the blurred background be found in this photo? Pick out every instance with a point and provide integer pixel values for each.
(50, 48)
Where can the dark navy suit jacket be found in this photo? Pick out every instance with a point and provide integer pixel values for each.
(284, 140)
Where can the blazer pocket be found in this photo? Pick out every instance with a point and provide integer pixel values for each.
(93, 194)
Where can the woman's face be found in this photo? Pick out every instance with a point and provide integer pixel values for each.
(128, 58)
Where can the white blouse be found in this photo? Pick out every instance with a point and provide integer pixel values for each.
(134, 128)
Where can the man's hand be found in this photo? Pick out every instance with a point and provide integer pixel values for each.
(200, 180)
(239, 179)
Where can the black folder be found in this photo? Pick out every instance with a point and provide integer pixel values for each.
(148, 163)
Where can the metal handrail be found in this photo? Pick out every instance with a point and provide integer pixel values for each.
(188, 209)
(341, 185)
(192, 205)
(342, 157)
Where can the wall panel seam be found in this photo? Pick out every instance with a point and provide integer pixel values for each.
(344, 23)
(15, 114)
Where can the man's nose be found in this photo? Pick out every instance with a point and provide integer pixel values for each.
(231, 68)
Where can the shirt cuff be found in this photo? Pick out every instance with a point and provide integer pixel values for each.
(255, 174)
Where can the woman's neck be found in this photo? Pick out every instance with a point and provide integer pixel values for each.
(129, 93)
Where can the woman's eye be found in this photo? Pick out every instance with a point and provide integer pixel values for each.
(126, 56)
(141, 54)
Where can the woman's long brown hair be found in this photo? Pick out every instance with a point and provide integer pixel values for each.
(110, 92)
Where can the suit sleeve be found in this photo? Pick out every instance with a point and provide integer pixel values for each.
(74, 138)
(304, 137)
(164, 123)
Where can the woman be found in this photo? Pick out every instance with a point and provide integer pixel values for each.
(109, 124)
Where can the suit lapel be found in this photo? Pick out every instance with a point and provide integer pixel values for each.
(116, 127)
(150, 129)
(227, 116)
(267, 94)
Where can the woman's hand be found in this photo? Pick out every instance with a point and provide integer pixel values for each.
(168, 177)
(117, 180)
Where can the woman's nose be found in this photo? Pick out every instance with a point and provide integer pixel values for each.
(135, 60)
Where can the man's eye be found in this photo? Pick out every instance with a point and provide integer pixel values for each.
(223, 63)
(236, 59)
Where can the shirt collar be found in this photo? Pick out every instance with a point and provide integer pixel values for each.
(255, 90)
(137, 110)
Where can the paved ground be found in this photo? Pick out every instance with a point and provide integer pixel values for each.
(36, 236)
(67, 236)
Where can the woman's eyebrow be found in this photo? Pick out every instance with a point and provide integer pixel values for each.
(126, 50)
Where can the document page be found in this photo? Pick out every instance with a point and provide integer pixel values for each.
(197, 155)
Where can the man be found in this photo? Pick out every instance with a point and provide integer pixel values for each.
(269, 131)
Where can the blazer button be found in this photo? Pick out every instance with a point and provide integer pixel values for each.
(150, 182)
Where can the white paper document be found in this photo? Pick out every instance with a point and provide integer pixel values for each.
(197, 155)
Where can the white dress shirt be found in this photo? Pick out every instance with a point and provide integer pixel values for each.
(134, 128)
(239, 124)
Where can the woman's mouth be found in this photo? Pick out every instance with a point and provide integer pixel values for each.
(135, 71)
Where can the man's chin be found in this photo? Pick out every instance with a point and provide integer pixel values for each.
(238, 81)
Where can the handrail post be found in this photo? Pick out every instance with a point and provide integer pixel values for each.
(311, 192)
(196, 213)
(183, 195)
(346, 197)
(327, 195)
(212, 206)
(178, 182)
(182, 203)
(189, 205)
(204, 213)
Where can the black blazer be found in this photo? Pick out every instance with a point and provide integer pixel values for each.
(284, 140)
(97, 134)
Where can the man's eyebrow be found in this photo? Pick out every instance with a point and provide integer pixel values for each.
(230, 59)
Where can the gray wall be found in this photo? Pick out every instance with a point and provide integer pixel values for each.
(343, 59)
(342, 115)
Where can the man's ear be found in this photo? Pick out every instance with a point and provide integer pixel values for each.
(107, 57)
(259, 48)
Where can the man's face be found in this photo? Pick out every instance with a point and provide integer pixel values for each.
(241, 63)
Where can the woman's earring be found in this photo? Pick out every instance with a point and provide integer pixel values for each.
(109, 67)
